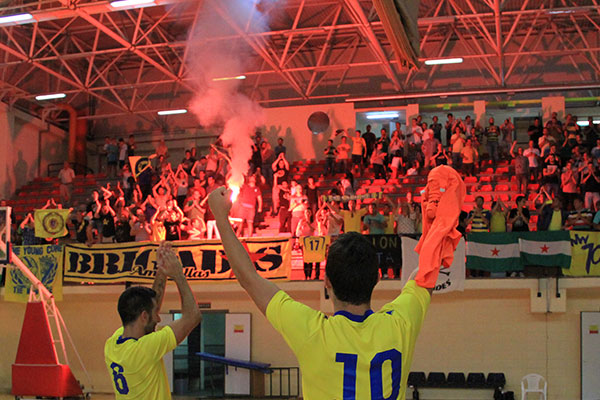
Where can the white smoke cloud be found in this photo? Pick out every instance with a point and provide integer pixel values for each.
(219, 102)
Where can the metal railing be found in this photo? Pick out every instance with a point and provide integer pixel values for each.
(79, 169)
(281, 382)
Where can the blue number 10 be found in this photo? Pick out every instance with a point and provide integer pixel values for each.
(350, 362)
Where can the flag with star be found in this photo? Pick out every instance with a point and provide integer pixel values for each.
(546, 248)
(493, 252)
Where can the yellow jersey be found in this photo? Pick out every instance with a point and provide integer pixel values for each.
(346, 356)
(135, 365)
(352, 219)
(314, 248)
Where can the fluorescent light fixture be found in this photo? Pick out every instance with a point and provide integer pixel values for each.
(559, 11)
(586, 123)
(50, 96)
(440, 61)
(230, 78)
(125, 4)
(383, 115)
(172, 112)
(17, 18)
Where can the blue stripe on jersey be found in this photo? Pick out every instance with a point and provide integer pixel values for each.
(122, 340)
(354, 317)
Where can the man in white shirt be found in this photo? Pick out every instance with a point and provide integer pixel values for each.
(66, 176)
(533, 156)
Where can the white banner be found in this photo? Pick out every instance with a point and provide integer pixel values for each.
(450, 279)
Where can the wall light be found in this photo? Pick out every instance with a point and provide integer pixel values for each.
(126, 4)
(230, 78)
(383, 115)
(16, 19)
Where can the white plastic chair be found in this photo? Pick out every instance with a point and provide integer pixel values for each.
(533, 383)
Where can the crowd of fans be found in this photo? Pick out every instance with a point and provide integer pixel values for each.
(168, 199)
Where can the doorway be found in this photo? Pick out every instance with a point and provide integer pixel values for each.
(192, 376)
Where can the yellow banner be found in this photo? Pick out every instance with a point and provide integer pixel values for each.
(46, 264)
(202, 260)
(138, 165)
(585, 254)
(51, 223)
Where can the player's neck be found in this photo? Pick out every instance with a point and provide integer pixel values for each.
(133, 331)
(359, 309)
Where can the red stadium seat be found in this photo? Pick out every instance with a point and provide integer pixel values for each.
(486, 188)
(486, 179)
(379, 182)
(470, 198)
(502, 188)
(471, 179)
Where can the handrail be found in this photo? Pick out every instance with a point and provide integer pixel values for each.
(79, 169)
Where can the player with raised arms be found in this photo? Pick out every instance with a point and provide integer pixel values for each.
(133, 354)
(356, 353)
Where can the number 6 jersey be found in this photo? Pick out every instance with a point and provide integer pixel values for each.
(136, 368)
(346, 356)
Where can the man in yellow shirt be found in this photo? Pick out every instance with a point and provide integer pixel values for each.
(352, 216)
(354, 354)
(133, 354)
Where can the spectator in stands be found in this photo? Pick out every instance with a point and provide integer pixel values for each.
(507, 136)
(305, 226)
(492, 133)
(545, 142)
(158, 227)
(591, 133)
(298, 204)
(195, 229)
(580, 218)
(187, 163)
(285, 215)
(450, 123)
(280, 148)
(551, 174)
(27, 231)
(343, 155)
(122, 227)
(251, 204)
(83, 229)
(141, 229)
(359, 151)
(389, 212)
(106, 214)
(414, 139)
(414, 169)
(519, 216)
(131, 146)
(534, 132)
(377, 161)
(66, 176)
(128, 183)
(112, 157)
(441, 157)
(312, 194)
(437, 128)
(405, 220)
(533, 156)
(373, 222)
(352, 216)
(172, 222)
(268, 157)
(596, 220)
(569, 183)
(457, 142)
(590, 181)
(192, 208)
(469, 157)
(122, 153)
(555, 128)
(93, 209)
(479, 218)
(161, 149)
(330, 153)
(571, 129)
(181, 185)
(498, 216)
(552, 216)
(370, 140)
(213, 161)
(335, 222)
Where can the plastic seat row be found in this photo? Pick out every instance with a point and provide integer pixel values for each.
(474, 380)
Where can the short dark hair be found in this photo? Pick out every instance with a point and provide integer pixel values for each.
(352, 268)
(133, 301)
(519, 198)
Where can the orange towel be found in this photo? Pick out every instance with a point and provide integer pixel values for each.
(441, 204)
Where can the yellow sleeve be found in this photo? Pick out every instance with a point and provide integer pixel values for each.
(156, 344)
(362, 212)
(295, 321)
(410, 306)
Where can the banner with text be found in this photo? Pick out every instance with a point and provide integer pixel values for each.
(585, 254)
(388, 248)
(202, 260)
(46, 264)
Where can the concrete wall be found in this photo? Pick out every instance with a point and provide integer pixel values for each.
(290, 123)
(21, 137)
(486, 328)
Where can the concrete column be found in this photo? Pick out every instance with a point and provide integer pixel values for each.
(479, 111)
(6, 151)
(412, 111)
(553, 104)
